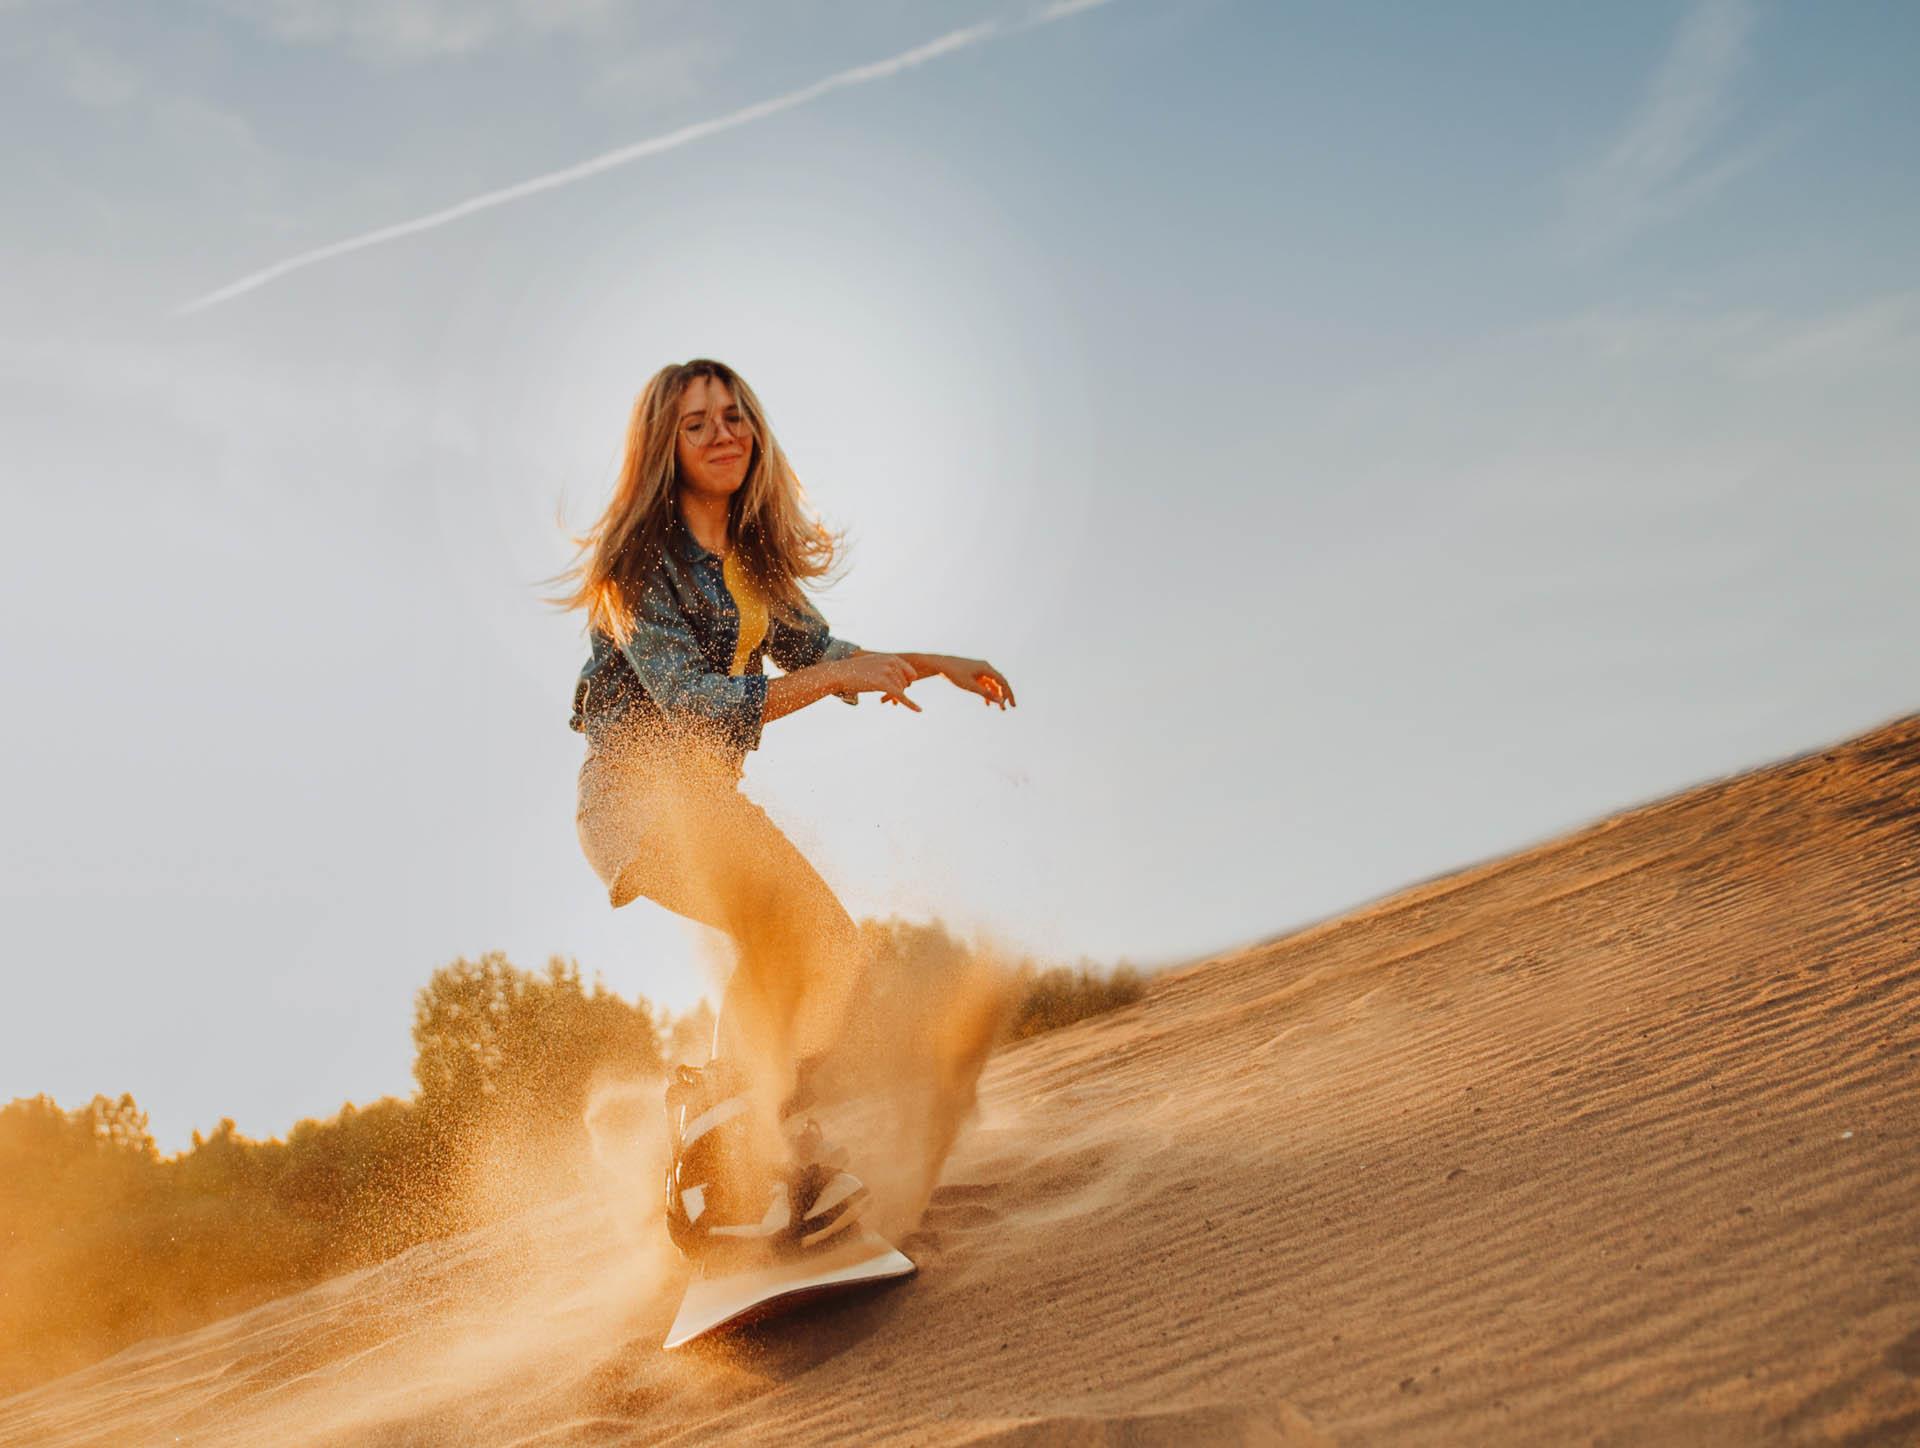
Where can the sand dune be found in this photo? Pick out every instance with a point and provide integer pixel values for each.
(1617, 1140)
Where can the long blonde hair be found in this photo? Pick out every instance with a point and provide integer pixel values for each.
(769, 521)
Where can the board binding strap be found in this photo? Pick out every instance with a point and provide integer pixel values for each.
(760, 1240)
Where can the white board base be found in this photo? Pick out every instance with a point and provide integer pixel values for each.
(739, 1296)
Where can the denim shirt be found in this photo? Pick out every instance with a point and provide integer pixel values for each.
(672, 675)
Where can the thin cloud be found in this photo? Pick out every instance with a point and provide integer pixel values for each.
(1875, 335)
(964, 38)
(1660, 165)
(402, 31)
(1880, 336)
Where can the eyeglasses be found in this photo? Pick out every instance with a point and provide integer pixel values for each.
(707, 426)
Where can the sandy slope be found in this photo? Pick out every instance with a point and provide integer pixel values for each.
(1617, 1140)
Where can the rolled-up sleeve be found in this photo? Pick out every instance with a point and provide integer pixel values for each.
(666, 658)
(807, 641)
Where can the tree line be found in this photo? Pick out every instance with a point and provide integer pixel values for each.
(104, 1241)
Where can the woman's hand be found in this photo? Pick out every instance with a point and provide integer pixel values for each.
(868, 673)
(977, 676)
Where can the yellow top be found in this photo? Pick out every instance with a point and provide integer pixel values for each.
(753, 610)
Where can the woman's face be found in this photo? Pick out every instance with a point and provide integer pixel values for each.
(712, 439)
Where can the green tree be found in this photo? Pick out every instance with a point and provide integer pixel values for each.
(491, 1040)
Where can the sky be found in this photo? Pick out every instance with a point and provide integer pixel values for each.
(1372, 438)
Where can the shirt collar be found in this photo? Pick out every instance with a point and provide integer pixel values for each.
(685, 546)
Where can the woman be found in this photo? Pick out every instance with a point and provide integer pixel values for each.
(689, 579)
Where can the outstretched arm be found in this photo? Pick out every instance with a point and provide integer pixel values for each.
(802, 645)
(858, 672)
(976, 676)
(865, 672)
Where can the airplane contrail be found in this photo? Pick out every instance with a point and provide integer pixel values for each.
(962, 39)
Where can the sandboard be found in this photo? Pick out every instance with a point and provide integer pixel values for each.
(735, 1298)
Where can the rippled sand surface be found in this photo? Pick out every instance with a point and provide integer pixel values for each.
(1617, 1140)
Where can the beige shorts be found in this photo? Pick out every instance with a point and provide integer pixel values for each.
(619, 814)
(684, 836)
